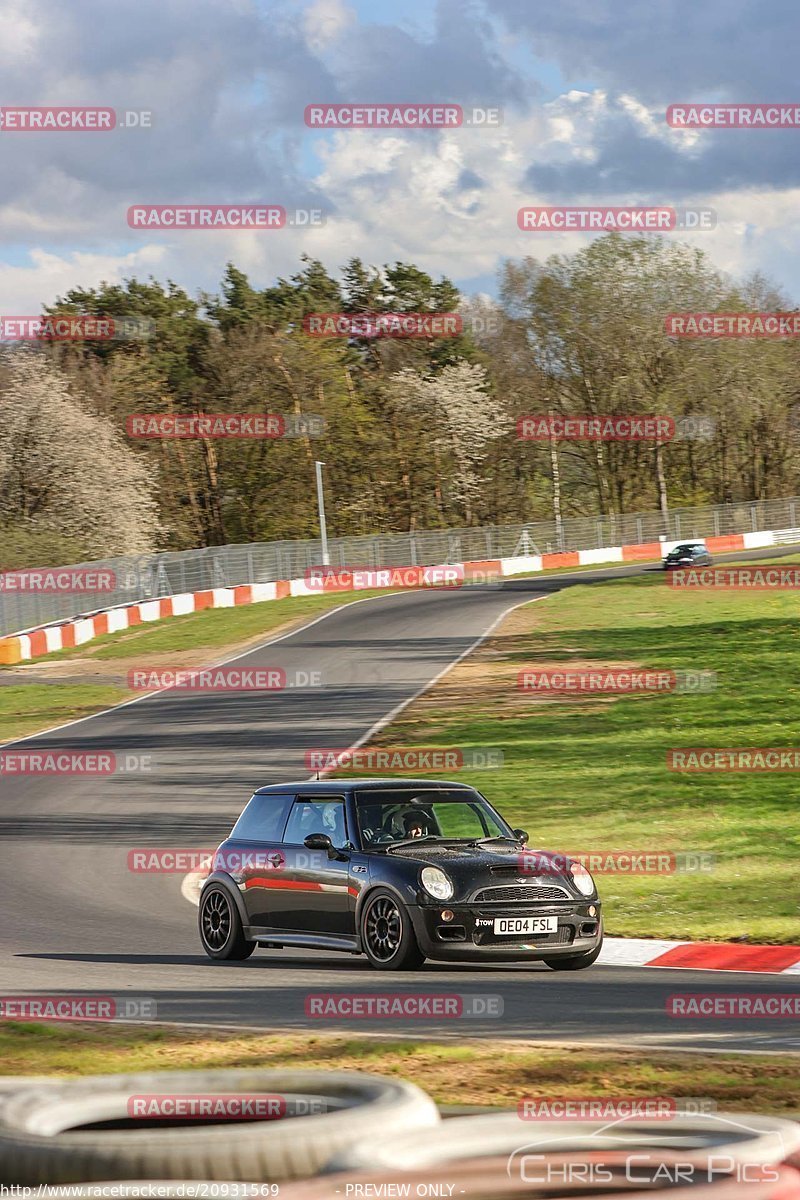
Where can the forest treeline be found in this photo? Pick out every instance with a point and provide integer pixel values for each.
(419, 433)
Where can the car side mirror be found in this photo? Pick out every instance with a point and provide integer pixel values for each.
(521, 834)
(318, 841)
(321, 841)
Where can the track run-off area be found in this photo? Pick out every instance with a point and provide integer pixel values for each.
(77, 921)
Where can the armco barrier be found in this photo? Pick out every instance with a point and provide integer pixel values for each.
(138, 577)
(36, 642)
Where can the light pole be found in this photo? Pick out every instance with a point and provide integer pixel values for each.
(323, 529)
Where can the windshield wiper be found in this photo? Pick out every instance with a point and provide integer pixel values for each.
(429, 837)
(498, 837)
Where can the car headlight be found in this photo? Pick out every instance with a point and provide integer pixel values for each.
(436, 883)
(581, 878)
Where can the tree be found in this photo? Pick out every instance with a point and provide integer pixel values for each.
(65, 471)
(462, 417)
(596, 325)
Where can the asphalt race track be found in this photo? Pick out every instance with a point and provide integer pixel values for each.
(77, 921)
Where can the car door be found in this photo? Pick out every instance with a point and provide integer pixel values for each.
(253, 854)
(313, 894)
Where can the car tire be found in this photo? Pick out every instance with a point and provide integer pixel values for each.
(44, 1137)
(221, 926)
(387, 935)
(575, 962)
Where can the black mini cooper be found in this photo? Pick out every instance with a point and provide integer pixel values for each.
(398, 870)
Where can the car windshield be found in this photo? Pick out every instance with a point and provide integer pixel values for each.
(390, 816)
(687, 548)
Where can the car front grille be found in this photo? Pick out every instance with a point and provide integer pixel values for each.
(559, 938)
(526, 893)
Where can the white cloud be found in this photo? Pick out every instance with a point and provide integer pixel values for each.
(228, 86)
(326, 21)
(19, 33)
(24, 289)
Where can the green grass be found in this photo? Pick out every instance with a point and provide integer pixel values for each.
(483, 1071)
(591, 774)
(30, 707)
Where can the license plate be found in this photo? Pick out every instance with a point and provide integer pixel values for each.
(515, 925)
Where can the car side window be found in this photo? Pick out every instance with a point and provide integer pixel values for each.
(264, 818)
(316, 814)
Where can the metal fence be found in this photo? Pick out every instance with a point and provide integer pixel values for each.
(146, 577)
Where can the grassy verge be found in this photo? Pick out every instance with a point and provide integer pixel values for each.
(26, 708)
(590, 773)
(471, 1072)
(92, 677)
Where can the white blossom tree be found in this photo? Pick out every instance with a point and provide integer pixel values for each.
(65, 471)
(463, 417)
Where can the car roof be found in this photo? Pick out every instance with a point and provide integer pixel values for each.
(337, 786)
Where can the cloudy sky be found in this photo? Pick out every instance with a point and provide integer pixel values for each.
(583, 86)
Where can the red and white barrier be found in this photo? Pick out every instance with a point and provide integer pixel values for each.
(701, 956)
(35, 642)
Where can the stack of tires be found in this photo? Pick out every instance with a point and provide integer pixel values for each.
(80, 1130)
(369, 1136)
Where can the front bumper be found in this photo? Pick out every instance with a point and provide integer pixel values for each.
(470, 937)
